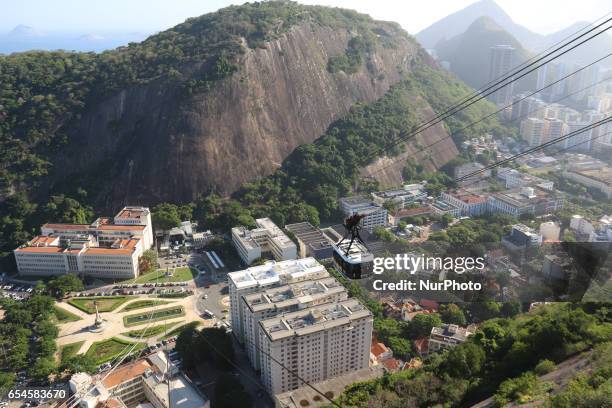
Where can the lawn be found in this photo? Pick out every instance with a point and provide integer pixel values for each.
(141, 304)
(176, 331)
(177, 275)
(64, 316)
(153, 316)
(69, 350)
(106, 350)
(149, 331)
(105, 303)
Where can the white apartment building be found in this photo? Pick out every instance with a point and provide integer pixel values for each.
(581, 225)
(266, 238)
(446, 336)
(271, 274)
(501, 61)
(284, 299)
(375, 215)
(534, 131)
(580, 140)
(408, 194)
(317, 343)
(107, 248)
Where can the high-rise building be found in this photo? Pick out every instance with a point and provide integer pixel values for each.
(580, 141)
(284, 299)
(501, 61)
(269, 275)
(534, 131)
(316, 343)
(556, 128)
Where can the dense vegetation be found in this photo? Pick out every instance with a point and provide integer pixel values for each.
(41, 93)
(500, 350)
(27, 338)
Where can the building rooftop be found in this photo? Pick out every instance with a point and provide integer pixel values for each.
(524, 195)
(309, 235)
(126, 373)
(451, 331)
(182, 393)
(86, 246)
(295, 294)
(467, 196)
(273, 271)
(132, 212)
(313, 319)
(603, 175)
(377, 348)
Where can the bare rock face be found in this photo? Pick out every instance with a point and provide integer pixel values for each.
(158, 144)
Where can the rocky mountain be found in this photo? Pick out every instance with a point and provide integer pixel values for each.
(468, 53)
(456, 23)
(212, 103)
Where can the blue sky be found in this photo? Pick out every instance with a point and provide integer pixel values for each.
(103, 16)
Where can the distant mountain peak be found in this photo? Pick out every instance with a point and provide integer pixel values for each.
(23, 30)
(456, 23)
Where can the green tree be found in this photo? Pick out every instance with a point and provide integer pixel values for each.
(230, 393)
(148, 261)
(64, 284)
(421, 324)
(186, 346)
(464, 361)
(215, 345)
(402, 348)
(7, 381)
(511, 309)
(165, 216)
(452, 314)
(43, 367)
(80, 363)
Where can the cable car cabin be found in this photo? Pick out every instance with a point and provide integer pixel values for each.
(357, 263)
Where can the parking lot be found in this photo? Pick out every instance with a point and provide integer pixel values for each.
(16, 291)
(137, 289)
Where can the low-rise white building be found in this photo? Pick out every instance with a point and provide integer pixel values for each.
(374, 214)
(316, 343)
(470, 204)
(107, 248)
(524, 200)
(266, 238)
(446, 336)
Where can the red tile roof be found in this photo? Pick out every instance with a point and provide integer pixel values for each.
(422, 345)
(429, 304)
(378, 348)
(392, 364)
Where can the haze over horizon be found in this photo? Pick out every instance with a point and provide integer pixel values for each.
(146, 17)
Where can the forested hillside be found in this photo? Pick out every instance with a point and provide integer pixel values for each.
(157, 121)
